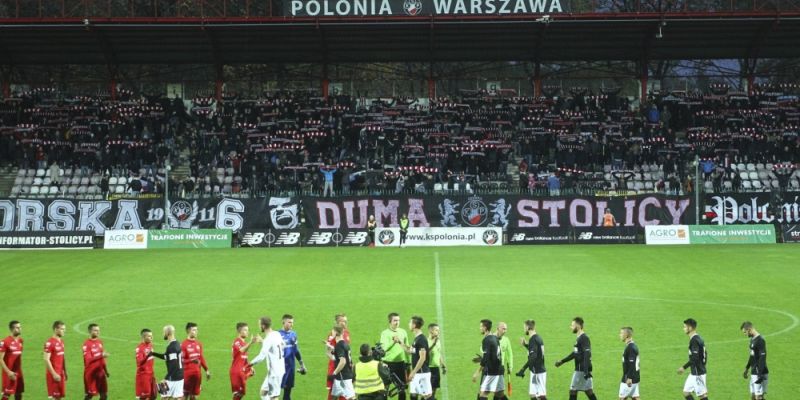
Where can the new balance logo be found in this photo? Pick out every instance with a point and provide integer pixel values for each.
(287, 238)
(585, 236)
(355, 238)
(518, 237)
(320, 238)
(253, 239)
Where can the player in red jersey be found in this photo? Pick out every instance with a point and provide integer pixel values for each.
(94, 365)
(11, 363)
(192, 354)
(56, 372)
(240, 370)
(330, 343)
(145, 379)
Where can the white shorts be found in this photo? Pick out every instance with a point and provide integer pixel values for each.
(538, 386)
(493, 384)
(343, 388)
(421, 384)
(695, 384)
(625, 391)
(174, 389)
(579, 383)
(758, 389)
(271, 387)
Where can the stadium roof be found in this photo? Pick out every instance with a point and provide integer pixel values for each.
(412, 39)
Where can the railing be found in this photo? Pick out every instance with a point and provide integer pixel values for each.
(256, 9)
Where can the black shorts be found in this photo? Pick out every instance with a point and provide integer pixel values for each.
(435, 378)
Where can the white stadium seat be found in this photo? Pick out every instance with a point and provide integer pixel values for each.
(40, 172)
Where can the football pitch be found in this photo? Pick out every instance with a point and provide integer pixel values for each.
(652, 289)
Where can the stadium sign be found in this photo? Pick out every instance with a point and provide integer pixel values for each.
(540, 236)
(46, 240)
(791, 233)
(606, 235)
(505, 212)
(666, 234)
(731, 234)
(125, 239)
(390, 237)
(378, 8)
(302, 237)
(189, 239)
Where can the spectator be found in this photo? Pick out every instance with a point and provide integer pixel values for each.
(55, 174)
(328, 175)
(554, 185)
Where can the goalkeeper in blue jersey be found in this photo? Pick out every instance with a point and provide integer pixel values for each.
(290, 353)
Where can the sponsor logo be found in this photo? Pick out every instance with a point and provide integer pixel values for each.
(386, 237)
(585, 236)
(182, 214)
(474, 212)
(355, 238)
(412, 7)
(490, 237)
(287, 238)
(518, 237)
(253, 238)
(320, 238)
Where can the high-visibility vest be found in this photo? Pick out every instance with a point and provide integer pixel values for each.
(367, 378)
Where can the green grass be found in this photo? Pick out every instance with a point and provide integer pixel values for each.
(652, 289)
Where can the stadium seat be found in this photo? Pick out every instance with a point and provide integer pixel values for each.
(40, 172)
(95, 180)
(775, 184)
(229, 171)
(456, 186)
(762, 175)
(27, 181)
(769, 166)
(18, 180)
(649, 185)
(220, 171)
(68, 172)
(751, 167)
(37, 181)
(61, 172)
(216, 189)
(93, 189)
(756, 185)
(207, 189)
(20, 172)
(639, 186)
(746, 185)
(84, 181)
(228, 180)
(122, 181)
(630, 185)
(741, 167)
(744, 175)
(53, 190)
(46, 181)
(15, 190)
(82, 189)
(30, 172)
(119, 189)
(34, 190)
(794, 184)
(753, 175)
(72, 190)
(227, 188)
(760, 167)
(708, 186)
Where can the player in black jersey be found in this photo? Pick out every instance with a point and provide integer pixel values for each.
(696, 381)
(173, 382)
(582, 354)
(420, 376)
(534, 344)
(491, 365)
(756, 369)
(629, 388)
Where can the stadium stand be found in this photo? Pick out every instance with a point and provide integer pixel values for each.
(476, 141)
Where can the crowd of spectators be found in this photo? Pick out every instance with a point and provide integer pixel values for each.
(569, 139)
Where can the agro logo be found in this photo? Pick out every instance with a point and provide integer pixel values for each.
(412, 7)
(474, 212)
(182, 214)
(386, 237)
(490, 237)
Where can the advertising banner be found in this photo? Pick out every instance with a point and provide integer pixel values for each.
(731, 234)
(125, 239)
(189, 239)
(606, 235)
(389, 237)
(303, 237)
(540, 236)
(46, 240)
(791, 233)
(666, 234)
(506, 212)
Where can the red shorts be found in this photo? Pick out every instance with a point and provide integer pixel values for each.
(191, 384)
(146, 386)
(95, 382)
(239, 382)
(56, 389)
(16, 386)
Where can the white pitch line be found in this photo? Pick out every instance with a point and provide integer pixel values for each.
(440, 318)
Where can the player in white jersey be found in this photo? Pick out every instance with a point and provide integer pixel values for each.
(272, 352)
